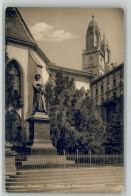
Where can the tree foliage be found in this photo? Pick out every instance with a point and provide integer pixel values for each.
(75, 122)
(114, 135)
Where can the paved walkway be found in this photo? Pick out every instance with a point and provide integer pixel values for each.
(73, 180)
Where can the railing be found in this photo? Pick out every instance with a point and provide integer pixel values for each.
(65, 160)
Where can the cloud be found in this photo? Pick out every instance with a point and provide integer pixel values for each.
(45, 32)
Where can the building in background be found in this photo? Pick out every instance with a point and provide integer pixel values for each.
(81, 78)
(107, 91)
(107, 85)
(96, 58)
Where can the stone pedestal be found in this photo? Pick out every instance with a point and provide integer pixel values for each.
(10, 168)
(41, 131)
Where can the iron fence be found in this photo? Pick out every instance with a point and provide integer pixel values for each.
(63, 160)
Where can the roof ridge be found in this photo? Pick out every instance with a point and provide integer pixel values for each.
(24, 24)
(15, 26)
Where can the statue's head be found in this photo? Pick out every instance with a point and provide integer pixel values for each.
(37, 76)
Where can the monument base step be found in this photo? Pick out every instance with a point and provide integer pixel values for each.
(44, 149)
(46, 159)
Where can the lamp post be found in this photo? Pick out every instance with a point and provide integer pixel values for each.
(90, 157)
(77, 151)
(64, 157)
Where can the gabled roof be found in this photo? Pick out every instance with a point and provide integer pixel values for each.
(15, 26)
(70, 71)
(16, 31)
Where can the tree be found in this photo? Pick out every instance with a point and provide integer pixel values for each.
(90, 124)
(114, 135)
(74, 121)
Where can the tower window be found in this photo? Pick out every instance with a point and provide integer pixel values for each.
(114, 82)
(114, 95)
(90, 60)
(102, 99)
(108, 56)
(102, 89)
(95, 39)
(15, 75)
(108, 85)
(96, 91)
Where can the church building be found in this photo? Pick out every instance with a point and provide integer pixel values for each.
(107, 83)
(25, 60)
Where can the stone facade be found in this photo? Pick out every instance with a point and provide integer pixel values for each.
(108, 86)
(108, 94)
(108, 91)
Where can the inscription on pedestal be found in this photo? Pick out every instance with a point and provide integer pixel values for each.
(42, 131)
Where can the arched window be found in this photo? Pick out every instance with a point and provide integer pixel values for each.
(95, 39)
(13, 100)
(90, 60)
(14, 76)
(107, 55)
(13, 87)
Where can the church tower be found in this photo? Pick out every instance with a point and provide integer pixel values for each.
(105, 48)
(93, 57)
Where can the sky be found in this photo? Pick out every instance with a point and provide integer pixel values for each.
(61, 32)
